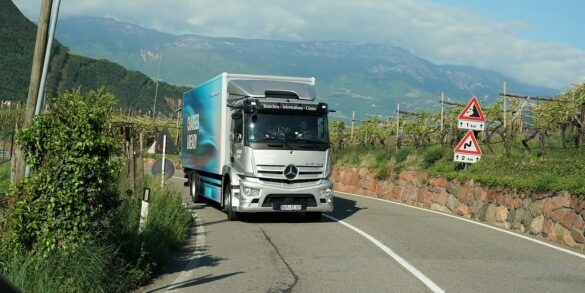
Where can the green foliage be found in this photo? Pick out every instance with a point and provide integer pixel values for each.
(4, 178)
(402, 155)
(166, 228)
(382, 172)
(89, 268)
(69, 71)
(122, 261)
(433, 154)
(72, 187)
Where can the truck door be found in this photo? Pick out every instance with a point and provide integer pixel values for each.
(237, 139)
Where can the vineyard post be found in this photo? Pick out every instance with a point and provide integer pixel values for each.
(131, 166)
(442, 109)
(504, 113)
(397, 126)
(521, 121)
(141, 148)
(582, 122)
(13, 154)
(352, 121)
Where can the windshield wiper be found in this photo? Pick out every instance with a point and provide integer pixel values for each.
(313, 142)
(306, 140)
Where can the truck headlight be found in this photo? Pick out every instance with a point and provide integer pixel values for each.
(250, 192)
(327, 193)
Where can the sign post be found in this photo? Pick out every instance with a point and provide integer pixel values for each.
(162, 177)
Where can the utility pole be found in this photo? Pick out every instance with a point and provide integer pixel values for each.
(156, 87)
(35, 79)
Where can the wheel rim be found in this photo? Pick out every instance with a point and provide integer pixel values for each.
(228, 199)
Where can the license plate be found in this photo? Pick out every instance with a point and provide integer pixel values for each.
(291, 207)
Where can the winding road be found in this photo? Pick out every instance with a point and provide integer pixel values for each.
(365, 245)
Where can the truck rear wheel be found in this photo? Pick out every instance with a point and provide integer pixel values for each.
(227, 199)
(193, 190)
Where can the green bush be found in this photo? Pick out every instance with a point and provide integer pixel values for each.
(433, 154)
(4, 178)
(382, 172)
(402, 154)
(166, 229)
(72, 187)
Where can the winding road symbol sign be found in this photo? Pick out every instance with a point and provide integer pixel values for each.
(468, 151)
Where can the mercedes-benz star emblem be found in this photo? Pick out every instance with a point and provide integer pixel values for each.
(291, 171)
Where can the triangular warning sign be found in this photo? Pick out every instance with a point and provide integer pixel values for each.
(170, 147)
(472, 112)
(468, 145)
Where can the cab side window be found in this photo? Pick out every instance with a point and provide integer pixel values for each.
(238, 129)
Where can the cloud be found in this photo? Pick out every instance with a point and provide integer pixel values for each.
(440, 33)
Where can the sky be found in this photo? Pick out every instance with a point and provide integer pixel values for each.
(537, 42)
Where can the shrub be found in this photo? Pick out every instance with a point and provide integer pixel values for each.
(382, 172)
(432, 155)
(166, 228)
(402, 155)
(72, 188)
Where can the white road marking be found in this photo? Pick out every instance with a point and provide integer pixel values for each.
(195, 257)
(477, 223)
(179, 178)
(428, 282)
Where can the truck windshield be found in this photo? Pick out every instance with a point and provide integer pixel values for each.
(289, 127)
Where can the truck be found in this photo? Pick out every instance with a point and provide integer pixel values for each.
(257, 143)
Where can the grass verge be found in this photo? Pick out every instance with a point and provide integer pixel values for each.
(123, 260)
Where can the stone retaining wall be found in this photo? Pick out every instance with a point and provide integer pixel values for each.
(558, 217)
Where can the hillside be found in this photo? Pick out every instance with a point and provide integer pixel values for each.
(369, 78)
(68, 71)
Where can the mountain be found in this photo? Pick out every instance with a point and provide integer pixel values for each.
(69, 71)
(366, 78)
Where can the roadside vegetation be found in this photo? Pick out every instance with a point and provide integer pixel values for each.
(547, 155)
(527, 173)
(72, 226)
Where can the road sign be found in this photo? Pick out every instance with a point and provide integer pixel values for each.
(169, 168)
(472, 117)
(171, 148)
(467, 151)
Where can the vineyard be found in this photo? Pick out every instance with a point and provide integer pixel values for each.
(539, 141)
(530, 143)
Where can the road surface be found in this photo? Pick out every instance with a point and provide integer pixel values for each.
(365, 245)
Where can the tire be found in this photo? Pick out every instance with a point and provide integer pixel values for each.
(193, 190)
(313, 216)
(227, 199)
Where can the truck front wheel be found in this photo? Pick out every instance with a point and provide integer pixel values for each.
(227, 199)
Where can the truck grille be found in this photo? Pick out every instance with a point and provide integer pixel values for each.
(277, 172)
(273, 200)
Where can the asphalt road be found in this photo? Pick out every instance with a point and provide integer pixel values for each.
(365, 245)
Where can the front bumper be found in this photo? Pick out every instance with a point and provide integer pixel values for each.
(269, 196)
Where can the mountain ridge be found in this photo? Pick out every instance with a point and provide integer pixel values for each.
(372, 77)
(69, 71)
